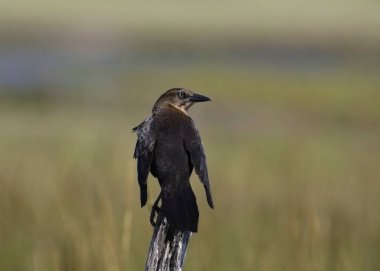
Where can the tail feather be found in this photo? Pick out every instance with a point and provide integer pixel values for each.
(180, 208)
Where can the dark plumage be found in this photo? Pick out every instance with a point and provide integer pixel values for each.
(169, 147)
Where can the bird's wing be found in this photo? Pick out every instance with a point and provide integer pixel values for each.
(144, 153)
(193, 145)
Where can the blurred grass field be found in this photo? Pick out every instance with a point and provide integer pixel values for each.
(292, 135)
(293, 162)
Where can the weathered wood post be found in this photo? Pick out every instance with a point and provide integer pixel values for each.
(167, 250)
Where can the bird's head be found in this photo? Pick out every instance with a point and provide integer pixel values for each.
(179, 98)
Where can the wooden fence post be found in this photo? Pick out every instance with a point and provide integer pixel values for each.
(166, 252)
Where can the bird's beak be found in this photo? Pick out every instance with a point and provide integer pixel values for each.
(196, 98)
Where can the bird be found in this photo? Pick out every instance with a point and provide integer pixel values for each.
(169, 147)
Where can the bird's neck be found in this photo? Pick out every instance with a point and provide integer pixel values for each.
(170, 107)
(182, 108)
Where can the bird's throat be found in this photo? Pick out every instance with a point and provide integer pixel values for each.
(181, 108)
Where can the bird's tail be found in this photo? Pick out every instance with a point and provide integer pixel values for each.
(180, 208)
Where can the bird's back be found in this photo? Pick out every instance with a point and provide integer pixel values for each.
(171, 165)
(170, 158)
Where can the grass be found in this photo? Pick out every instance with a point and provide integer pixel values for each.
(293, 163)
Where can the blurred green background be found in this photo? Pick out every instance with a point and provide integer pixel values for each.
(292, 135)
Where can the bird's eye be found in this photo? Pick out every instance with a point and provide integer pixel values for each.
(182, 94)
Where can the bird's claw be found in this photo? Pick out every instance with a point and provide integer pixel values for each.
(155, 210)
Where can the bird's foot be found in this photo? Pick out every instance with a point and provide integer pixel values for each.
(155, 210)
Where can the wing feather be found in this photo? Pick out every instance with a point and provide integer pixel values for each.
(193, 145)
(144, 153)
